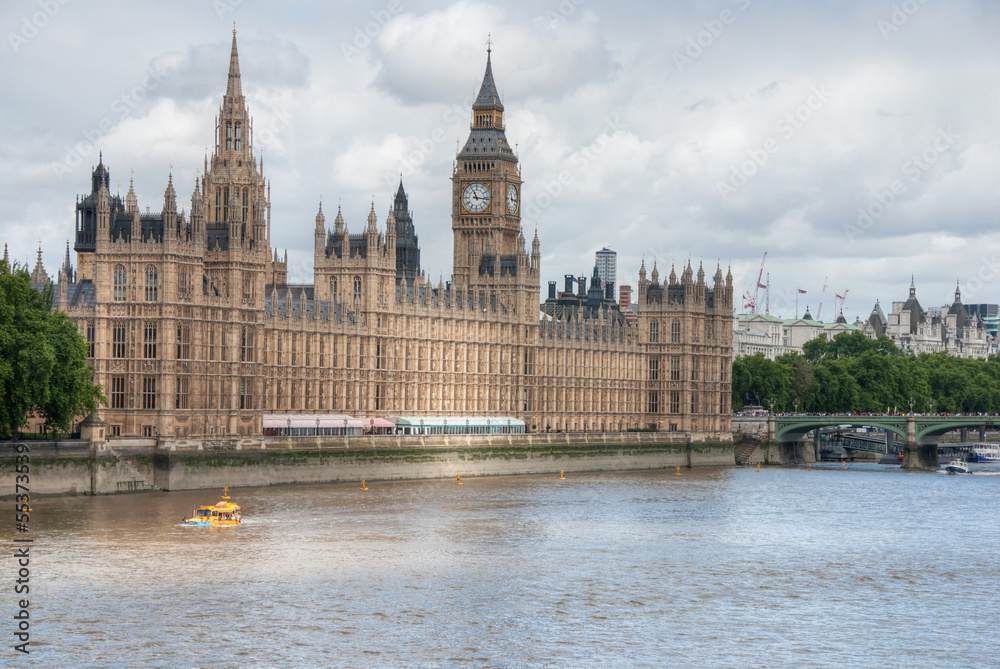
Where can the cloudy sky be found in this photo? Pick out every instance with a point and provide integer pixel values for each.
(856, 143)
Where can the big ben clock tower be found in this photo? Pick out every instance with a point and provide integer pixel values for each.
(486, 200)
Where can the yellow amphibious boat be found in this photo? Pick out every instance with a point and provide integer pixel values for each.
(223, 514)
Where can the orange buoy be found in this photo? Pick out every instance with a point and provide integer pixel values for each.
(678, 472)
(458, 479)
(561, 477)
(363, 486)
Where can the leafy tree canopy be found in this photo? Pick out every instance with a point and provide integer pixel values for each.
(852, 373)
(43, 358)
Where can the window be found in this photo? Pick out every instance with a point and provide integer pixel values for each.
(117, 392)
(121, 283)
(357, 289)
(118, 339)
(654, 332)
(246, 394)
(181, 399)
(675, 369)
(675, 402)
(237, 145)
(246, 345)
(333, 290)
(246, 191)
(218, 205)
(654, 402)
(148, 392)
(115, 431)
(151, 283)
(149, 340)
(90, 339)
(222, 349)
(211, 343)
(229, 135)
(675, 332)
(654, 369)
(183, 342)
(184, 283)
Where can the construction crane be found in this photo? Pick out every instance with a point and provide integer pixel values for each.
(842, 298)
(750, 300)
(819, 312)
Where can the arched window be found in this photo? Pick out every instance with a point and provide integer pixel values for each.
(246, 198)
(654, 332)
(229, 134)
(675, 332)
(333, 290)
(357, 289)
(237, 137)
(151, 284)
(218, 205)
(121, 283)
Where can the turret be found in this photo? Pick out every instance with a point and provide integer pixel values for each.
(320, 232)
(170, 230)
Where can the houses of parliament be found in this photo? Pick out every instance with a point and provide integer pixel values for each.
(194, 330)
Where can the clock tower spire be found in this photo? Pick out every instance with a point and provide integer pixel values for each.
(486, 193)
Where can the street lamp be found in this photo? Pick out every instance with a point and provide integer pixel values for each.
(345, 427)
(772, 405)
(930, 405)
(911, 406)
(796, 405)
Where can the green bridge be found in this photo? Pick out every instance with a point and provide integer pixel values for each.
(920, 434)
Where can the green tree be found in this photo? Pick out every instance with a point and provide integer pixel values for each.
(43, 358)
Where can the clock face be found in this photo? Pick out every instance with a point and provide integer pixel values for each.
(476, 197)
(512, 199)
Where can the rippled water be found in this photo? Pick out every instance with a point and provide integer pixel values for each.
(714, 568)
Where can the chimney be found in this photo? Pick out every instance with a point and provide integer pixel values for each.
(569, 285)
(583, 286)
(552, 290)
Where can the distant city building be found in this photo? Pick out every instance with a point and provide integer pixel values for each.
(773, 336)
(607, 267)
(949, 328)
(625, 304)
(990, 315)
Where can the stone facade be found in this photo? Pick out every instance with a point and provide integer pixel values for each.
(951, 329)
(194, 330)
(773, 336)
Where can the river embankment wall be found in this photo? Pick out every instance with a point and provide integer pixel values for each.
(128, 465)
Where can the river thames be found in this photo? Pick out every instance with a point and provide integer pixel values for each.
(717, 567)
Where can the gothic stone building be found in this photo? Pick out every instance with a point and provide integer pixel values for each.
(194, 330)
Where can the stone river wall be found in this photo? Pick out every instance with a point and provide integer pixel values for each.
(131, 465)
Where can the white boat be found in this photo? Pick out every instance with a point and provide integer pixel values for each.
(957, 467)
(986, 452)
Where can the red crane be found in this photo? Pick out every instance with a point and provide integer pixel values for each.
(819, 312)
(750, 300)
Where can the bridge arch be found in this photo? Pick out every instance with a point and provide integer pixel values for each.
(794, 428)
